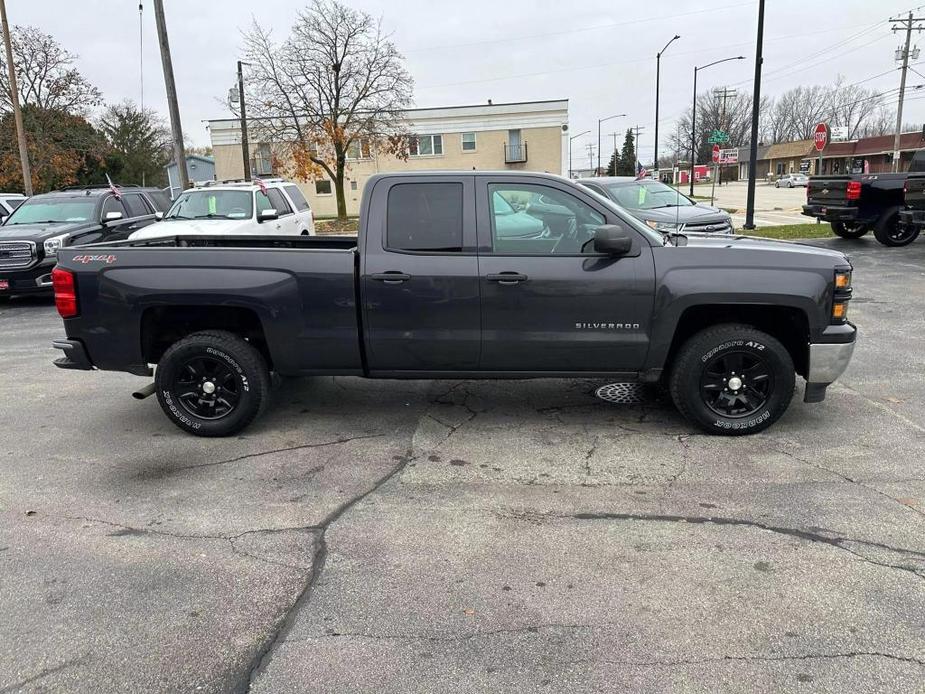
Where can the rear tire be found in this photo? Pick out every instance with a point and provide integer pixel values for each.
(212, 383)
(732, 380)
(889, 232)
(848, 230)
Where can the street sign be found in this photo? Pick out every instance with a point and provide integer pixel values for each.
(716, 151)
(821, 136)
(718, 137)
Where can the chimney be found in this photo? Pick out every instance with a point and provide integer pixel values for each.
(489, 102)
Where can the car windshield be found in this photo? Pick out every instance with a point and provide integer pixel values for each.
(53, 210)
(647, 195)
(212, 204)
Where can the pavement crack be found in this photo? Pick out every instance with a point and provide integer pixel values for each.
(284, 449)
(19, 686)
(832, 539)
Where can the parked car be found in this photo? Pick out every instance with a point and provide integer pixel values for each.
(854, 204)
(9, 202)
(43, 224)
(236, 208)
(434, 287)
(661, 207)
(792, 180)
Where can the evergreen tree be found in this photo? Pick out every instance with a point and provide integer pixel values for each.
(612, 166)
(627, 164)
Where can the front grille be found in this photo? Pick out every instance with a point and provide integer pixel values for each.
(709, 228)
(15, 255)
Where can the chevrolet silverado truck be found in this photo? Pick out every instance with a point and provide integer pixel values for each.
(912, 216)
(444, 281)
(856, 204)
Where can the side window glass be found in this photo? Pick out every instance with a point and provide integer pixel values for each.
(135, 205)
(425, 217)
(278, 202)
(301, 204)
(540, 220)
(263, 202)
(111, 204)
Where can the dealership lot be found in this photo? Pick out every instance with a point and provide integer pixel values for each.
(465, 536)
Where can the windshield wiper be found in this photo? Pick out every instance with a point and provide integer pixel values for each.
(177, 216)
(211, 216)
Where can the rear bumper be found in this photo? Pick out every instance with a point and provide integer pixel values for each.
(913, 218)
(827, 361)
(75, 355)
(831, 214)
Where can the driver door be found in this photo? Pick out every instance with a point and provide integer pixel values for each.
(549, 303)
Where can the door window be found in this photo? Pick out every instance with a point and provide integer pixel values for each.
(135, 204)
(113, 204)
(263, 202)
(301, 204)
(425, 217)
(278, 202)
(540, 220)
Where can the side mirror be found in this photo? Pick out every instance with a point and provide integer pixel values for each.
(112, 216)
(3, 218)
(267, 216)
(158, 216)
(612, 240)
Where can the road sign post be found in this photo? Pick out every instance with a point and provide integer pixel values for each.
(716, 156)
(820, 140)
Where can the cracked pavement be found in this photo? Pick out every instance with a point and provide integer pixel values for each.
(458, 536)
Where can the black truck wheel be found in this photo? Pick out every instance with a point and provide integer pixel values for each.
(732, 380)
(890, 232)
(849, 230)
(212, 383)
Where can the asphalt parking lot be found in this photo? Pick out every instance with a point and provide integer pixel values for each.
(467, 536)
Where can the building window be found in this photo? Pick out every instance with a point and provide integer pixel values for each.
(262, 163)
(353, 185)
(358, 149)
(468, 142)
(780, 168)
(425, 145)
(322, 186)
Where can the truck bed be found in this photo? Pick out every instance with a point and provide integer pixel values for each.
(301, 291)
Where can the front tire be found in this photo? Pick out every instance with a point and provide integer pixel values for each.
(732, 380)
(212, 383)
(848, 230)
(890, 232)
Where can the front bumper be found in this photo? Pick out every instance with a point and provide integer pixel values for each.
(831, 214)
(827, 361)
(31, 280)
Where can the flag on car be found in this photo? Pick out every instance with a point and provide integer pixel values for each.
(641, 171)
(260, 184)
(114, 188)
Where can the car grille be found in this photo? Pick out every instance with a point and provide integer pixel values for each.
(16, 254)
(710, 228)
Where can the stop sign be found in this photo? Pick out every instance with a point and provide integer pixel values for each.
(716, 154)
(821, 136)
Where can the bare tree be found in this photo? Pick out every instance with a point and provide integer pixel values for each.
(850, 106)
(45, 75)
(337, 84)
(736, 122)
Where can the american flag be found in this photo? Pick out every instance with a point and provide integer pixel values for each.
(260, 184)
(641, 172)
(114, 188)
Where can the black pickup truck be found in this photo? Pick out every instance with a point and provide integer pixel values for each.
(912, 217)
(32, 235)
(856, 204)
(463, 275)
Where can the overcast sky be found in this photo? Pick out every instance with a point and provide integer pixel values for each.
(600, 54)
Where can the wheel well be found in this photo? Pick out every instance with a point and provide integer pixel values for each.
(161, 326)
(789, 325)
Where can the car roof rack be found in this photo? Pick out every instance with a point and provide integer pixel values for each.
(236, 182)
(100, 186)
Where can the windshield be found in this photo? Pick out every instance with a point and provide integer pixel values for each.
(53, 211)
(647, 195)
(213, 204)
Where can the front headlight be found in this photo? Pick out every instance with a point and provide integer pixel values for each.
(53, 244)
(666, 227)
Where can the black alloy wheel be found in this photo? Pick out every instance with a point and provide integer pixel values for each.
(736, 384)
(206, 387)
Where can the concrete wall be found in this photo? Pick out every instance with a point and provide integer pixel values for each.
(544, 153)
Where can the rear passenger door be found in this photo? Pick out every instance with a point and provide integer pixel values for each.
(303, 210)
(288, 223)
(419, 273)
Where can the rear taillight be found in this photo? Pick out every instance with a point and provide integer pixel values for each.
(65, 292)
(854, 190)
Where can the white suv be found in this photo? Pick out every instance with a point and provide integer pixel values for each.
(236, 208)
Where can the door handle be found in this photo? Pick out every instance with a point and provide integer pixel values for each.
(507, 278)
(391, 277)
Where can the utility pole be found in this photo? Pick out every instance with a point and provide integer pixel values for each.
(723, 94)
(636, 130)
(756, 105)
(245, 147)
(14, 99)
(614, 136)
(907, 24)
(591, 149)
(179, 152)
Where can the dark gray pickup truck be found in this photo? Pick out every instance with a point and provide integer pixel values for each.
(463, 275)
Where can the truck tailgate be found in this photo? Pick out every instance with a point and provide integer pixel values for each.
(303, 298)
(828, 190)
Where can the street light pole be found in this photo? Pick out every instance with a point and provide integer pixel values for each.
(574, 137)
(753, 145)
(658, 70)
(694, 112)
(603, 120)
